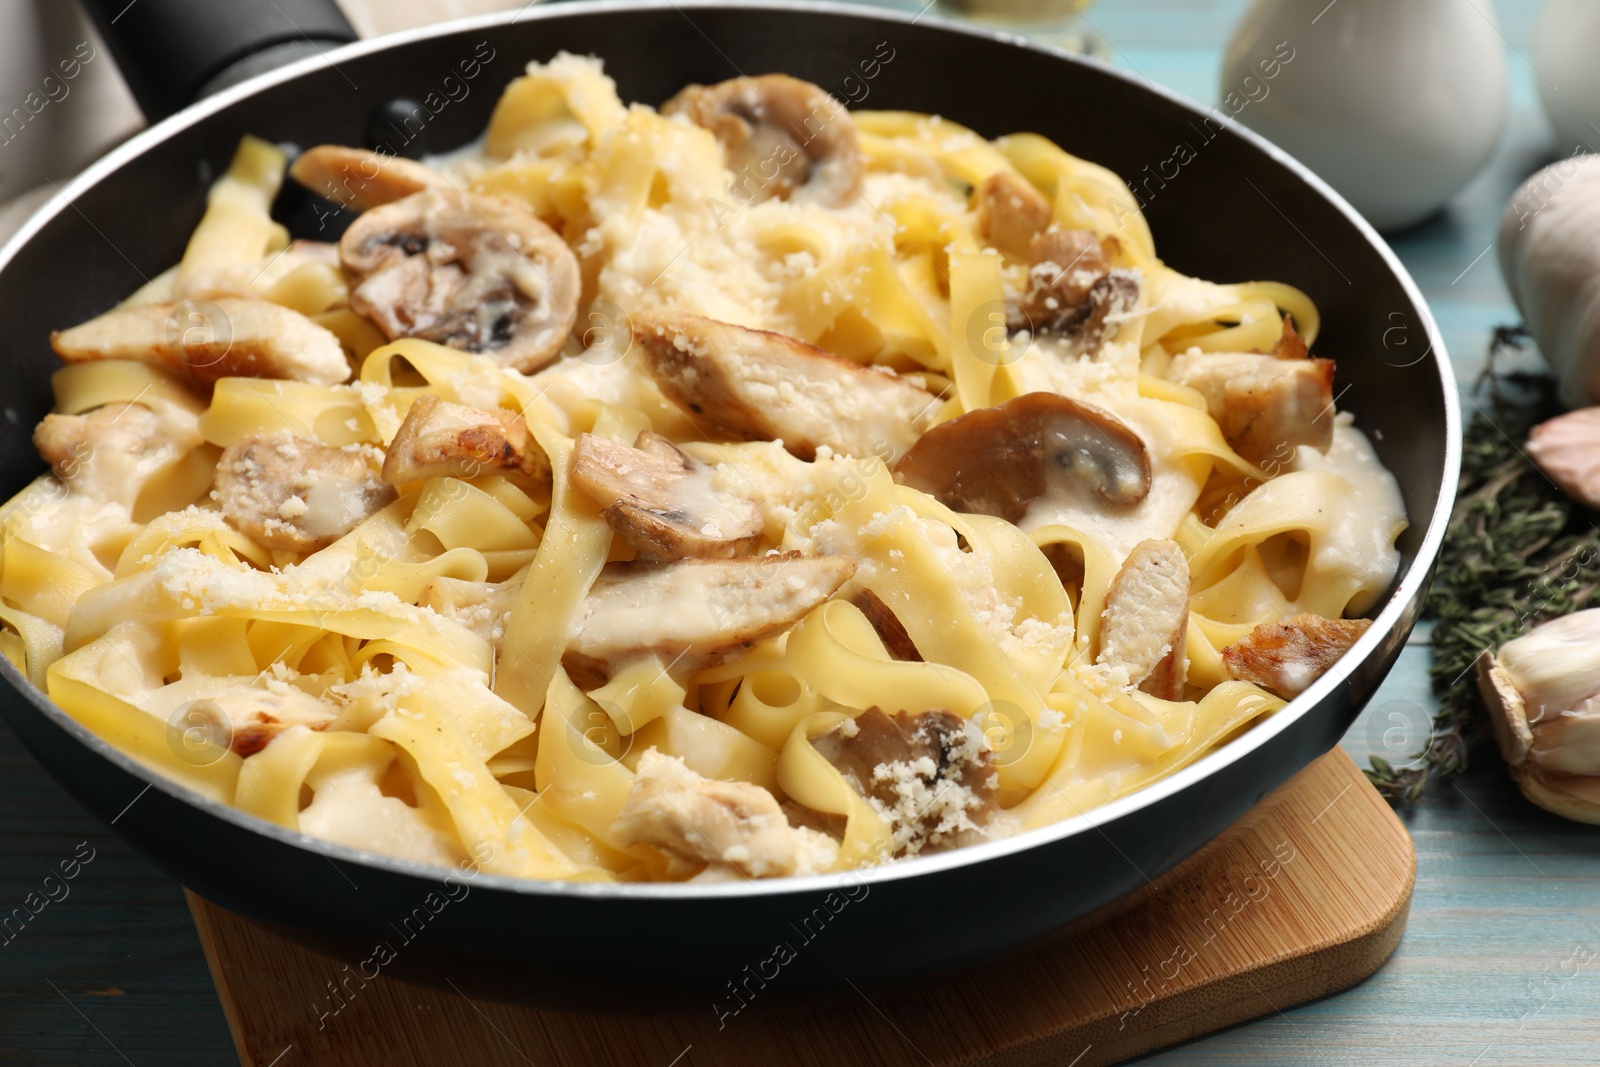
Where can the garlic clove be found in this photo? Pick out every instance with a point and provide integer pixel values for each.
(1507, 714)
(1543, 694)
(1569, 742)
(1567, 449)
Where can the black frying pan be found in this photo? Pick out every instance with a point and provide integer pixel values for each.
(1240, 209)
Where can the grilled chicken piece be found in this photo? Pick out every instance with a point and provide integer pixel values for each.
(111, 452)
(707, 821)
(1261, 402)
(439, 439)
(476, 273)
(1286, 657)
(247, 719)
(783, 138)
(294, 494)
(201, 341)
(695, 612)
(996, 461)
(1147, 619)
(661, 501)
(1012, 213)
(752, 385)
(928, 773)
(1290, 344)
(361, 179)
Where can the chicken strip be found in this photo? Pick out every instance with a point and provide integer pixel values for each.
(112, 452)
(1147, 619)
(201, 341)
(752, 385)
(661, 501)
(1286, 657)
(706, 821)
(440, 439)
(1011, 212)
(695, 612)
(1262, 402)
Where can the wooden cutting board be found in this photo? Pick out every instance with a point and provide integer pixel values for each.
(1303, 897)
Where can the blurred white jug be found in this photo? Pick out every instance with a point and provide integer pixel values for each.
(1395, 103)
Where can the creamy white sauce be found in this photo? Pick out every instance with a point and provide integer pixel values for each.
(1362, 530)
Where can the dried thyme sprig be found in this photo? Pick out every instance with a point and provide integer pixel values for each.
(1518, 552)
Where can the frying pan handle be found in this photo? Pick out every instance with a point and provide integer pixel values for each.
(172, 52)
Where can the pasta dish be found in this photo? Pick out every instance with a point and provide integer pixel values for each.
(743, 488)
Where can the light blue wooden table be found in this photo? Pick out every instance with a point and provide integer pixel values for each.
(1507, 909)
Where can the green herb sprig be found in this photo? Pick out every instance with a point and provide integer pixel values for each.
(1518, 552)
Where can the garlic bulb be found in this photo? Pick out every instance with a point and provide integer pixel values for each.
(1550, 258)
(1543, 694)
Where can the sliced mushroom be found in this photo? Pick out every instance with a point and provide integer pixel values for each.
(706, 821)
(294, 494)
(784, 138)
(475, 273)
(753, 385)
(1072, 292)
(695, 612)
(440, 439)
(929, 774)
(1147, 619)
(359, 178)
(891, 631)
(201, 341)
(1286, 657)
(111, 452)
(1012, 214)
(1262, 403)
(996, 461)
(661, 501)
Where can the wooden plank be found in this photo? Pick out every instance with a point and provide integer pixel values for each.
(1305, 896)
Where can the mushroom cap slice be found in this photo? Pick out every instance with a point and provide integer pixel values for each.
(1286, 657)
(201, 341)
(360, 178)
(784, 138)
(754, 385)
(927, 772)
(693, 612)
(476, 273)
(661, 501)
(997, 461)
(288, 492)
(440, 439)
(1262, 403)
(1147, 619)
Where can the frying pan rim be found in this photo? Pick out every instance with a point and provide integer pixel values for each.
(1406, 592)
